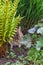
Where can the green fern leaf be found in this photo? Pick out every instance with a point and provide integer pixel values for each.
(8, 21)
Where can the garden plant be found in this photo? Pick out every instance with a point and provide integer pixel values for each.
(8, 22)
(21, 32)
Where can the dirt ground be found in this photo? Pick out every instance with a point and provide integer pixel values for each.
(18, 52)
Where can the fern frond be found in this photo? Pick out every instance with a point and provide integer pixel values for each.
(8, 21)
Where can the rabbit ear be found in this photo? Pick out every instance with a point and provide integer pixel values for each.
(19, 28)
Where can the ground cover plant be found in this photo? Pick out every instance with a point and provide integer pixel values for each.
(36, 57)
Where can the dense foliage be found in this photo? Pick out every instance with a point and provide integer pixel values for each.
(32, 10)
(30, 51)
(8, 22)
(36, 57)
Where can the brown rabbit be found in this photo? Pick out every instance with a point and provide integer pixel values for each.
(18, 36)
